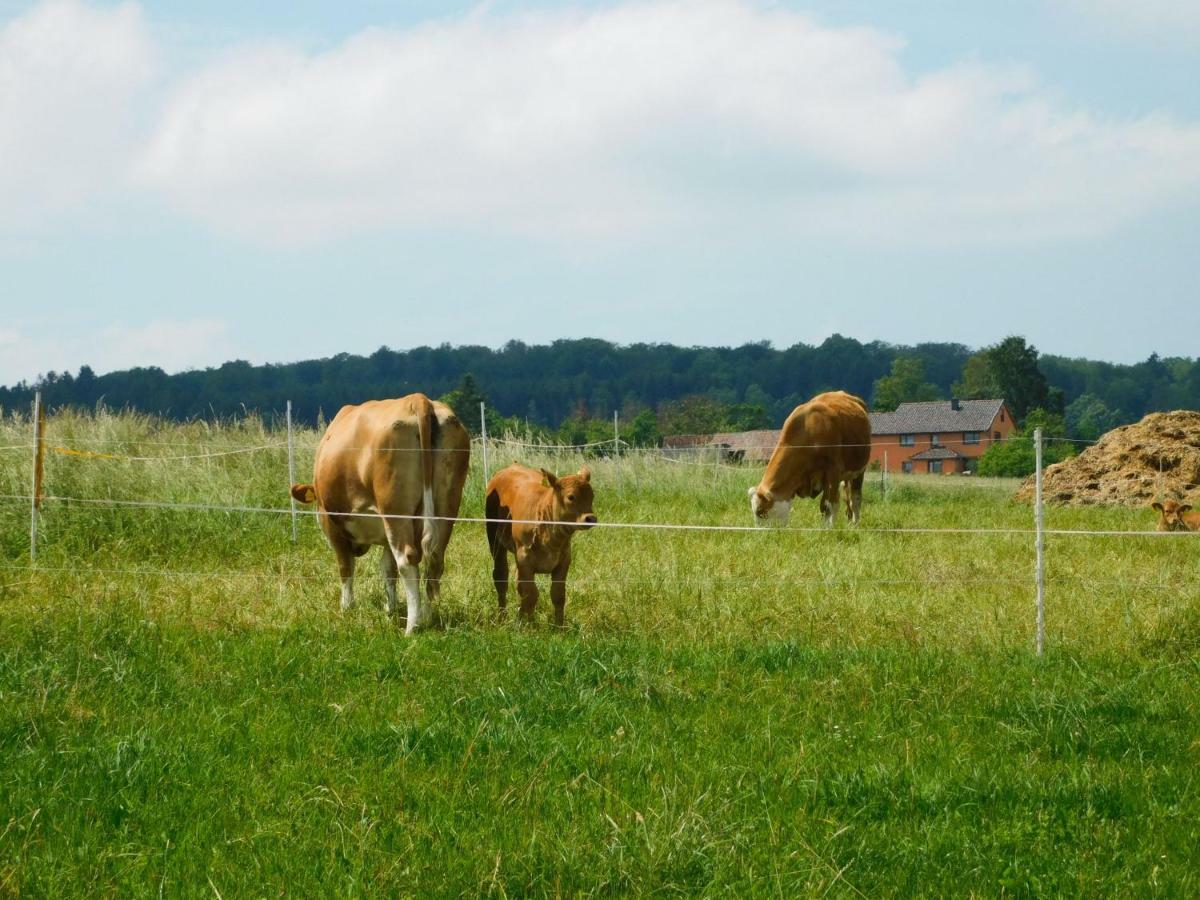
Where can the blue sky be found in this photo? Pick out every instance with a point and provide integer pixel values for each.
(182, 184)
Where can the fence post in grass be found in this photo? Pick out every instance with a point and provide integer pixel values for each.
(617, 448)
(291, 447)
(1041, 540)
(883, 477)
(39, 449)
(483, 436)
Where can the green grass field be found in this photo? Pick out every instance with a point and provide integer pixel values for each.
(184, 711)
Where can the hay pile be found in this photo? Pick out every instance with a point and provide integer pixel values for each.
(1156, 458)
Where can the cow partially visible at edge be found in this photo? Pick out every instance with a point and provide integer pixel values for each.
(1175, 516)
(404, 458)
(824, 442)
(544, 512)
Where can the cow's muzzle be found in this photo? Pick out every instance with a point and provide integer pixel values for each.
(588, 521)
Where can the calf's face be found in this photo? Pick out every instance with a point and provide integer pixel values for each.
(1172, 516)
(767, 508)
(572, 497)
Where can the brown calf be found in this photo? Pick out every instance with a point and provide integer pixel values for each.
(559, 507)
(1174, 516)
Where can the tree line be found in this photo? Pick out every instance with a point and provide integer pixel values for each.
(568, 390)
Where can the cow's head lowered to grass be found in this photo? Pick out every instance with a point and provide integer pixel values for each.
(572, 497)
(767, 508)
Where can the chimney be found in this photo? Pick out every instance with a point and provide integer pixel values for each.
(955, 404)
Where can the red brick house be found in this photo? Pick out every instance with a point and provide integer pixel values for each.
(939, 436)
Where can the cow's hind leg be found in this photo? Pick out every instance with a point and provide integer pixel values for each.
(500, 576)
(829, 503)
(387, 568)
(407, 553)
(854, 493)
(345, 560)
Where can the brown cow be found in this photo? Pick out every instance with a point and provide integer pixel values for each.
(824, 442)
(559, 506)
(405, 457)
(1173, 516)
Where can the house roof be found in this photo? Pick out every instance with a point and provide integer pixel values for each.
(758, 444)
(753, 445)
(937, 451)
(936, 416)
(684, 441)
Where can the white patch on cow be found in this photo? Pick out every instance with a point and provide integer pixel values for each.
(429, 524)
(412, 587)
(347, 593)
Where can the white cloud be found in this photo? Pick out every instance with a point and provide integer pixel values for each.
(170, 345)
(647, 117)
(70, 75)
(644, 119)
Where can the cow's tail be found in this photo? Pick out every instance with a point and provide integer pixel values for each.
(426, 423)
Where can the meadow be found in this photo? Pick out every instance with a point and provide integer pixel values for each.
(794, 712)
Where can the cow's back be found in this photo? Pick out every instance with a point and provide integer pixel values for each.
(370, 457)
(366, 447)
(847, 426)
(830, 431)
(518, 489)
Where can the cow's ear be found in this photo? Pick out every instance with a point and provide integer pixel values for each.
(1185, 507)
(305, 493)
(548, 480)
(585, 473)
(1156, 505)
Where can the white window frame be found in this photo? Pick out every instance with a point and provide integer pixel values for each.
(935, 466)
(908, 440)
(971, 437)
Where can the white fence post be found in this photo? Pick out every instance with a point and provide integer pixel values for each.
(883, 473)
(483, 433)
(1041, 542)
(617, 449)
(291, 468)
(36, 493)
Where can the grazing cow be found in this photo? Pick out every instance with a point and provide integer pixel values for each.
(824, 442)
(1173, 516)
(559, 506)
(405, 457)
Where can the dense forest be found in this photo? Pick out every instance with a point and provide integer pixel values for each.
(671, 388)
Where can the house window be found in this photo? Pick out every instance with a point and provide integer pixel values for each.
(935, 467)
(908, 440)
(935, 439)
(970, 437)
(1001, 415)
(996, 435)
(906, 467)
